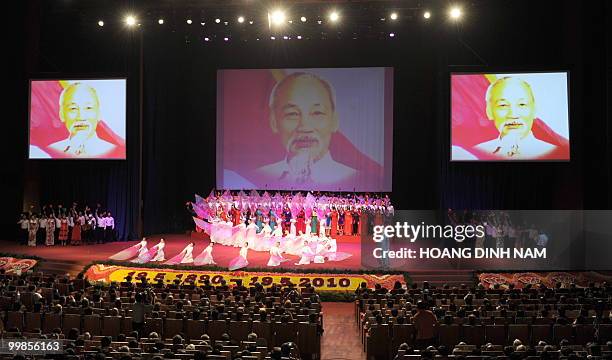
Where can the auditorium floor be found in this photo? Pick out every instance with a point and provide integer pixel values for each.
(341, 337)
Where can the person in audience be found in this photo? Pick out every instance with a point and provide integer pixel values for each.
(424, 321)
(140, 308)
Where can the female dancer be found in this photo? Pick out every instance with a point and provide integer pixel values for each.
(131, 251)
(144, 254)
(241, 260)
(276, 255)
(205, 257)
(159, 251)
(184, 257)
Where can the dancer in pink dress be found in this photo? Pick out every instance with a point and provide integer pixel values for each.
(184, 257)
(131, 251)
(240, 261)
(205, 257)
(276, 255)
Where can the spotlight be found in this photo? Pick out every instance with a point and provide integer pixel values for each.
(290, 21)
(130, 20)
(100, 23)
(225, 23)
(217, 20)
(299, 37)
(455, 13)
(250, 22)
(426, 14)
(391, 34)
(278, 17)
(207, 39)
(241, 19)
(272, 38)
(334, 16)
(319, 22)
(303, 19)
(285, 37)
(189, 21)
(393, 16)
(202, 23)
(225, 39)
(160, 21)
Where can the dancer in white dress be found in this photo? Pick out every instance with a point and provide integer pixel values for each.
(240, 261)
(205, 257)
(184, 257)
(132, 251)
(159, 254)
(276, 256)
(307, 254)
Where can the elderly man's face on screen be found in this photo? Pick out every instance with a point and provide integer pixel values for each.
(511, 106)
(80, 110)
(303, 114)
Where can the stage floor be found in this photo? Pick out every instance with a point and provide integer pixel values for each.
(85, 254)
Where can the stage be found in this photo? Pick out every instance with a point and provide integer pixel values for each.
(85, 254)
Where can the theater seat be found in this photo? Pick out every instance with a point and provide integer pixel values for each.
(541, 333)
(474, 334)
(239, 330)
(194, 329)
(33, 321)
(172, 327)
(377, 342)
(561, 332)
(52, 321)
(111, 326)
(518, 331)
(495, 334)
(71, 321)
(448, 335)
(92, 324)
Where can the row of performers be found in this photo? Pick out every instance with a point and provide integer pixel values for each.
(311, 249)
(334, 222)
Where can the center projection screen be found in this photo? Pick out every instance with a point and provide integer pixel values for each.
(326, 129)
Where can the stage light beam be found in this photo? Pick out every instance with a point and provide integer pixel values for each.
(277, 17)
(334, 16)
(393, 16)
(100, 23)
(241, 19)
(160, 21)
(189, 21)
(426, 14)
(455, 13)
(217, 20)
(303, 19)
(130, 20)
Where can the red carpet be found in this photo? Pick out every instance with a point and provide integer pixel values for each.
(85, 254)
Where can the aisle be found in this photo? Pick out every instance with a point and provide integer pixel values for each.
(340, 339)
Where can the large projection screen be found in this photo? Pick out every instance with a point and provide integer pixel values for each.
(510, 116)
(77, 119)
(327, 129)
